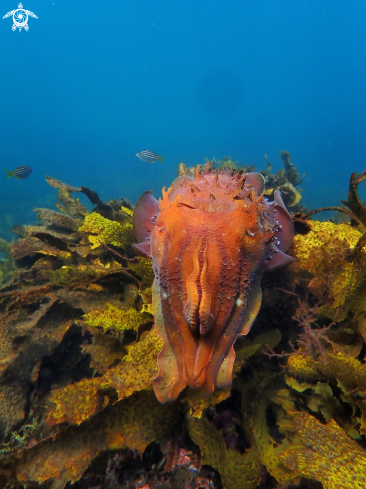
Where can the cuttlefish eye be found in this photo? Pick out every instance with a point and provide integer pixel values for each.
(252, 231)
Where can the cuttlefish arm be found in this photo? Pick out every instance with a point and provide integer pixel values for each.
(223, 379)
(168, 383)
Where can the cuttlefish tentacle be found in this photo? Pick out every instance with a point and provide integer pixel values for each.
(205, 316)
(191, 306)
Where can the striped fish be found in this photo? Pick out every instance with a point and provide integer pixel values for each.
(20, 172)
(149, 156)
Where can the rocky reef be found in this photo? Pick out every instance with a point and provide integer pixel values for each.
(78, 355)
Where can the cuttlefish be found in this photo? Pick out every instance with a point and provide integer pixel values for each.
(210, 239)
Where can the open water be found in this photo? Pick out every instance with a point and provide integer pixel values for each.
(93, 83)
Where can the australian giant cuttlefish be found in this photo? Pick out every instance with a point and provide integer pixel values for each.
(210, 238)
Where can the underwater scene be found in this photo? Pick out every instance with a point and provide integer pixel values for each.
(183, 244)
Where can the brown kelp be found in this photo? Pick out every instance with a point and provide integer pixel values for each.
(78, 355)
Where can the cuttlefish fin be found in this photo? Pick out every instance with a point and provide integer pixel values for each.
(286, 231)
(142, 249)
(277, 260)
(146, 208)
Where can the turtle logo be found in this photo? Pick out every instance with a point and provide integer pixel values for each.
(20, 18)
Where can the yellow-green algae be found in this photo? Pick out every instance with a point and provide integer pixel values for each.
(332, 254)
(82, 274)
(105, 231)
(134, 422)
(325, 454)
(257, 395)
(321, 234)
(143, 269)
(127, 211)
(350, 371)
(320, 400)
(7, 268)
(197, 404)
(239, 471)
(69, 276)
(77, 402)
(112, 316)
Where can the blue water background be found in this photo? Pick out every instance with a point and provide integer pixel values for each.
(92, 83)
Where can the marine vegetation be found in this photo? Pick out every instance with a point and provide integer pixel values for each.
(79, 354)
(6, 262)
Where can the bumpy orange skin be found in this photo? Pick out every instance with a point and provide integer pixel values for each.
(209, 245)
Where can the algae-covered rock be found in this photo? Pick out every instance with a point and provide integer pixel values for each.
(105, 231)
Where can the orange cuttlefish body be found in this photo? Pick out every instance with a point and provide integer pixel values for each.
(210, 239)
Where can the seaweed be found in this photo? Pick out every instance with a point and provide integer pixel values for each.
(78, 355)
(106, 231)
(353, 201)
(7, 269)
(355, 209)
(291, 172)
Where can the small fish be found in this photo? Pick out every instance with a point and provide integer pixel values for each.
(20, 172)
(149, 156)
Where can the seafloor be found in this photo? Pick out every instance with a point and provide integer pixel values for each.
(78, 354)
